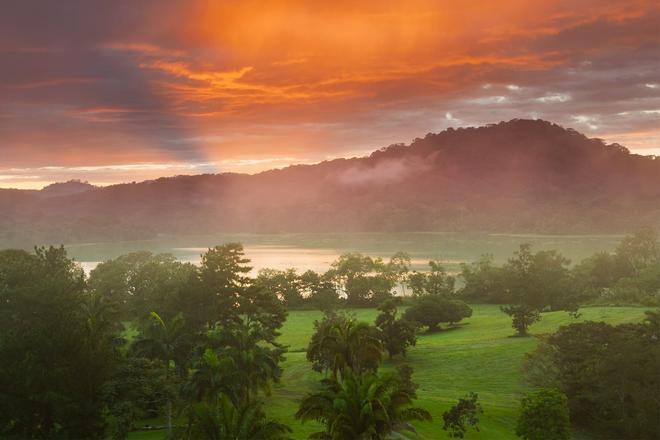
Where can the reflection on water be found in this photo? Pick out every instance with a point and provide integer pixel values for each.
(274, 257)
(318, 251)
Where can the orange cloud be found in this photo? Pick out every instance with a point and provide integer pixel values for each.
(224, 82)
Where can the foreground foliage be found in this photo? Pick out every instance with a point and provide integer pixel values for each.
(225, 420)
(199, 347)
(611, 375)
(57, 349)
(363, 406)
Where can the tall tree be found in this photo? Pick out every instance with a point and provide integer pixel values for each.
(246, 358)
(320, 290)
(285, 285)
(260, 307)
(169, 343)
(365, 281)
(223, 276)
(435, 281)
(535, 282)
(140, 282)
(57, 350)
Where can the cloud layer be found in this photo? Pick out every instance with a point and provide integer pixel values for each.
(122, 90)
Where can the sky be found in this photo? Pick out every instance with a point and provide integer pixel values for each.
(112, 91)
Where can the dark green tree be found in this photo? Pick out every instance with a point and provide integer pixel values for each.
(544, 415)
(434, 282)
(365, 281)
(140, 282)
(396, 334)
(137, 390)
(223, 279)
(522, 316)
(432, 310)
(534, 283)
(483, 282)
(320, 291)
(169, 343)
(57, 350)
(223, 389)
(212, 376)
(244, 358)
(610, 375)
(340, 343)
(226, 421)
(285, 285)
(361, 406)
(595, 275)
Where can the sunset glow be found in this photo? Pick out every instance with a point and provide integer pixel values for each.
(111, 92)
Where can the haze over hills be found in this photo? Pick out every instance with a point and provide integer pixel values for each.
(66, 188)
(516, 176)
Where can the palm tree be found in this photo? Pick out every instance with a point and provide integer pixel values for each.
(101, 318)
(363, 406)
(341, 343)
(211, 377)
(226, 421)
(167, 342)
(248, 364)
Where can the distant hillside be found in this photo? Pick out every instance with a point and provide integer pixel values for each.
(66, 188)
(516, 176)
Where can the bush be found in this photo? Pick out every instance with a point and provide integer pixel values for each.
(458, 417)
(432, 310)
(544, 415)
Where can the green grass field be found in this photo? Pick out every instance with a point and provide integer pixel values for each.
(480, 355)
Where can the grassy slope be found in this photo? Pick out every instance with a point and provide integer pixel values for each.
(480, 356)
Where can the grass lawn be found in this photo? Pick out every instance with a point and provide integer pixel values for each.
(479, 355)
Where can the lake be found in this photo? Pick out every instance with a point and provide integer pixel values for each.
(318, 251)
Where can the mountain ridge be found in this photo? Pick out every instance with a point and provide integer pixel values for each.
(515, 176)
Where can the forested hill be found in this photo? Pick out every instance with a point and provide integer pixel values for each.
(516, 176)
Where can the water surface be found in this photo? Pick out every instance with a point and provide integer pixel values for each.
(318, 251)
